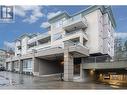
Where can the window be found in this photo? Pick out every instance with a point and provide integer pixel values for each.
(18, 54)
(16, 65)
(19, 47)
(27, 63)
(32, 45)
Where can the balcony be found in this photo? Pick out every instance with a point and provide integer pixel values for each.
(77, 48)
(41, 42)
(75, 34)
(12, 58)
(76, 22)
(39, 37)
(40, 46)
(48, 44)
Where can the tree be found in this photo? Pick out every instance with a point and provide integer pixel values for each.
(118, 48)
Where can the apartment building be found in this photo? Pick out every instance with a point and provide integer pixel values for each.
(2, 57)
(69, 40)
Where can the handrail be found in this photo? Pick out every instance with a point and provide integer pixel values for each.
(102, 59)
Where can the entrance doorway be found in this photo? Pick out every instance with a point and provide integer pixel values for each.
(77, 62)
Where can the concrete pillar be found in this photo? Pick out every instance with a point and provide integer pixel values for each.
(68, 66)
(35, 67)
(37, 43)
(6, 65)
(20, 67)
(81, 39)
(68, 62)
(12, 66)
(82, 75)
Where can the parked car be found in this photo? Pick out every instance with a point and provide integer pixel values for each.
(2, 68)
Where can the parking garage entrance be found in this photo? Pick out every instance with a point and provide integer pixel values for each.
(113, 76)
(51, 65)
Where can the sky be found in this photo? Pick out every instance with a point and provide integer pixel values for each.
(33, 19)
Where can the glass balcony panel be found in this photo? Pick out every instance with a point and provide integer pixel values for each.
(75, 32)
(75, 19)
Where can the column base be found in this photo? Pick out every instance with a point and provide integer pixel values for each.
(35, 73)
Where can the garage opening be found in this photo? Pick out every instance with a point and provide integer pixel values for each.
(51, 66)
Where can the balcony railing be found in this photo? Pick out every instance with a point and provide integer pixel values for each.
(75, 19)
(43, 35)
(98, 59)
(12, 58)
(41, 45)
(79, 44)
(75, 32)
(102, 59)
(76, 44)
(40, 36)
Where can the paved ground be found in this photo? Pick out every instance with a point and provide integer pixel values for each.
(10, 80)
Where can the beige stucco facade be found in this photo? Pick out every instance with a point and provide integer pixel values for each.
(84, 34)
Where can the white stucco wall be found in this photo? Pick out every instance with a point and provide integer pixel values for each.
(99, 39)
(92, 31)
